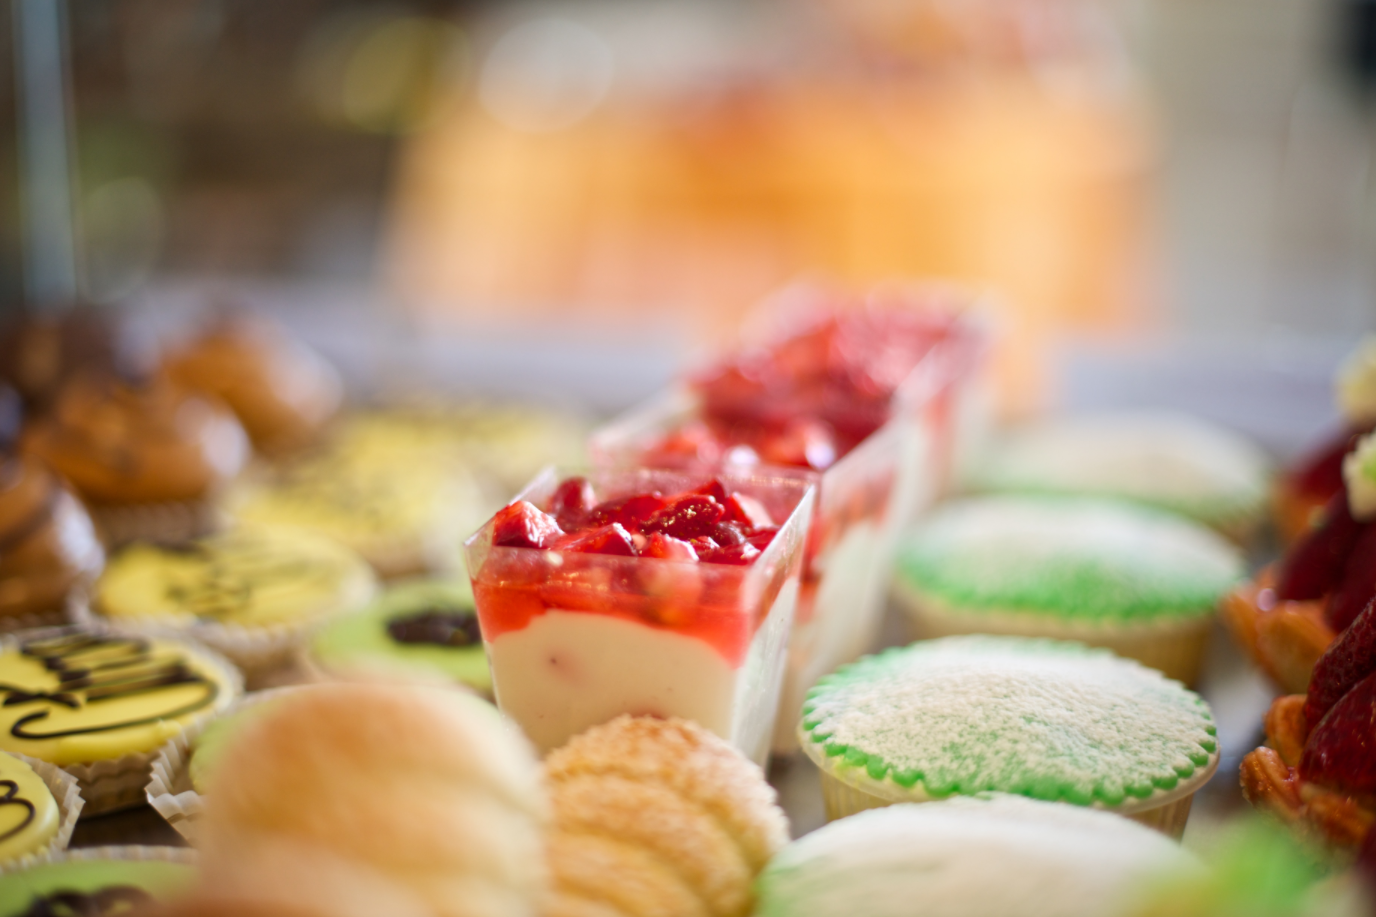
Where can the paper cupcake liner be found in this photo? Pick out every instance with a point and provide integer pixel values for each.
(74, 608)
(1174, 647)
(133, 852)
(117, 783)
(67, 793)
(169, 790)
(181, 520)
(1165, 810)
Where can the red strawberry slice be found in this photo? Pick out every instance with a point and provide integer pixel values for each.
(714, 489)
(1320, 473)
(522, 525)
(1358, 584)
(764, 538)
(748, 511)
(739, 555)
(608, 539)
(667, 547)
(1314, 566)
(1347, 661)
(687, 517)
(572, 501)
(727, 533)
(1341, 751)
(631, 512)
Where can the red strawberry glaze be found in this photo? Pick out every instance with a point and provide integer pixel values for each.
(675, 562)
(1340, 753)
(1320, 473)
(1313, 567)
(1348, 660)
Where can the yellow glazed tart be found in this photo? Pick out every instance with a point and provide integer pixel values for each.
(99, 704)
(29, 814)
(254, 593)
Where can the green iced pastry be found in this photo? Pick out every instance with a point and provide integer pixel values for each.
(1038, 718)
(1171, 461)
(422, 626)
(1074, 560)
(87, 883)
(29, 814)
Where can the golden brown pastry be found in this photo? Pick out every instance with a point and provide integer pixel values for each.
(657, 817)
(38, 353)
(282, 391)
(129, 440)
(426, 787)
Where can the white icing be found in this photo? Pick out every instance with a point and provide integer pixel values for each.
(1359, 474)
(1001, 713)
(1355, 384)
(567, 671)
(997, 856)
(1164, 459)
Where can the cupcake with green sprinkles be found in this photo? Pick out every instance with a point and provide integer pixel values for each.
(423, 628)
(1129, 578)
(1045, 719)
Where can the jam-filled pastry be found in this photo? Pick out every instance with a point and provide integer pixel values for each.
(1318, 769)
(48, 546)
(281, 390)
(1290, 613)
(1311, 482)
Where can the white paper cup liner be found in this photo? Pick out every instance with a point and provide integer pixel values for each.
(67, 793)
(113, 784)
(169, 789)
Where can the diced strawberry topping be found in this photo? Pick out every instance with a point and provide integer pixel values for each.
(667, 547)
(1314, 566)
(522, 525)
(629, 511)
(805, 443)
(714, 489)
(1341, 751)
(1320, 473)
(762, 539)
(727, 533)
(738, 554)
(1348, 660)
(748, 511)
(687, 517)
(572, 501)
(607, 539)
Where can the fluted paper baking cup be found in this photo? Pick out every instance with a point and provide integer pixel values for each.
(1165, 810)
(169, 790)
(1173, 646)
(120, 524)
(74, 608)
(118, 783)
(67, 793)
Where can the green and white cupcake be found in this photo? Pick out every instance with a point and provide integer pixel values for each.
(1135, 580)
(421, 628)
(1170, 461)
(98, 880)
(1048, 720)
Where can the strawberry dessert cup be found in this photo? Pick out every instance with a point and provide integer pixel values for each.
(864, 398)
(643, 592)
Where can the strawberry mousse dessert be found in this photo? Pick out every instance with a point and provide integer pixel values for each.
(855, 394)
(654, 592)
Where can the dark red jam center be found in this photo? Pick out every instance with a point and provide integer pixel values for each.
(436, 626)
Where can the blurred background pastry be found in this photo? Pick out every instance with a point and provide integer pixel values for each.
(282, 392)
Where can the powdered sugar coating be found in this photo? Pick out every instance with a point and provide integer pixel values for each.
(1080, 559)
(1050, 720)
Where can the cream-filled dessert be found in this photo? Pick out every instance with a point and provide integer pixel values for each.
(647, 592)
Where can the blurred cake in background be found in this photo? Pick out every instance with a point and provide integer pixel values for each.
(669, 174)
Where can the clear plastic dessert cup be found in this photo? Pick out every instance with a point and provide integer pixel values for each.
(862, 504)
(576, 639)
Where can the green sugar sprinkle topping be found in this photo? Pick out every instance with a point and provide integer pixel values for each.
(1080, 559)
(1040, 718)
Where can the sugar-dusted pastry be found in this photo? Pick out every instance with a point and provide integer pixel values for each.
(1289, 614)
(253, 592)
(423, 628)
(657, 816)
(1318, 772)
(1049, 720)
(994, 855)
(98, 881)
(99, 704)
(1171, 461)
(281, 390)
(1133, 579)
(48, 547)
(145, 454)
(426, 788)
